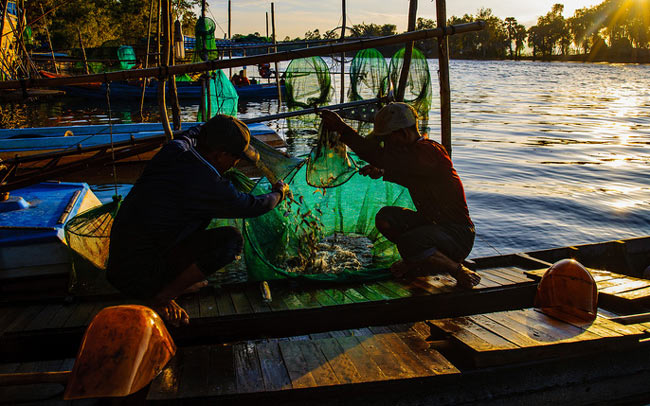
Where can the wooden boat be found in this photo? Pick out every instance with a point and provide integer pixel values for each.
(186, 90)
(66, 153)
(422, 341)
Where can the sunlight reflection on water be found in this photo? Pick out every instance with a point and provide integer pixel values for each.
(551, 154)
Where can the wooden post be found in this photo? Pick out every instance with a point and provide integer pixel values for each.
(49, 41)
(5, 6)
(158, 55)
(162, 103)
(277, 73)
(229, 43)
(267, 25)
(408, 52)
(204, 75)
(343, 54)
(83, 52)
(173, 91)
(443, 65)
(145, 81)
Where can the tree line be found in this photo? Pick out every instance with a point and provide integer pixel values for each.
(613, 27)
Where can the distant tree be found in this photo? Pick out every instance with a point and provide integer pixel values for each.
(582, 26)
(511, 28)
(331, 34)
(493, 39)
(312, 35)
(520, 38)
(373, 30)
(286, 39)
(549, 32)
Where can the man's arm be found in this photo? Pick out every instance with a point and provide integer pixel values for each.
(368, 150)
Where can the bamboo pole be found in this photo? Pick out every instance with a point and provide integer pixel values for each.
(328, 49)
(173, 91)
(204, 77)
(83, 51)
(5, 6)
(443, 65)
(343, 54)
(158, 55)
(162, 103)
(145, 81)
(275, 49)
(408, 52)
(229, 37)
(49, 41)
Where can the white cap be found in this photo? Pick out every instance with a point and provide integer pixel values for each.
(393, 117)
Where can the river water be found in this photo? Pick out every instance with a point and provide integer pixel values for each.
(551, 154)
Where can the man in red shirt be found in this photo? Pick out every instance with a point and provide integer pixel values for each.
(440, 234)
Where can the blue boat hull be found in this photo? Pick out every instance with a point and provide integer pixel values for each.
(186, 91)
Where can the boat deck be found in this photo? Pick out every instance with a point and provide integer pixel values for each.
(236, 311)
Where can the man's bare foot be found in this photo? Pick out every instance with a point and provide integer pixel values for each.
(172, 313)
(465, 277)
(195, 287)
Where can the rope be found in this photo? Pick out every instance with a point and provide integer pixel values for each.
(110, 126)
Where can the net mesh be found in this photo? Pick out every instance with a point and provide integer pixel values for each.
(295, 232)
(221, 96)
(329, 164)
(206, 47)
(88, 236)
(418, 84)
(368, 75)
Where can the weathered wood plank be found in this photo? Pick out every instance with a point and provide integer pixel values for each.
(629, 284)
(390, 365)
(247, 368)
(207, 303)
(24, 318)
(363, 362)
(254, 296)
(345, 370)
(222, 376)
(317, 364)
(224, 302)
(239, 299)
(338, 296)
(196, 367)
(429, 357)
(308, 298)
(403, 289)
(165, 385)
(274, 372)
(297, 367)
(635, 295)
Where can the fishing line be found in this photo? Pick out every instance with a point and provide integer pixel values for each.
(488, 243)
(110, 126)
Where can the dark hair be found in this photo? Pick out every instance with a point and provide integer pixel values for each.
(223, 133)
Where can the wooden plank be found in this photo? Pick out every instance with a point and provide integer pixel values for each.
(254, 296)
(435, 284)
(514, 273)
(629, 285)
(239, 299)
(42, 320)
(402, 289)
(494, 278)
(342, 366)
(363, 362)
(275, 374)
(62, 316)
(388, 294)
(296, 366)
(317, 364)
(473, 336)
(247, 368)
(224, 302)
(196, 367)
(391, 366)
(221, 378)
(190, 303)
(354, 295)
(635, 295)
(308, 298)
(429, 357)
(338, 296)
(207, 303)
(24, 318)
(560, 329)
(504, 277)
(292, 301)
(515, 337)
(277, 293)
(402, 351)
(323, 298)
(165, 385)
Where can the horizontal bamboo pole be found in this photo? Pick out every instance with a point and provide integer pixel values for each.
(165, 71)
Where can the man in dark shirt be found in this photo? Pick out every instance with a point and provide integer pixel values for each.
(440, 234)
(160, 247)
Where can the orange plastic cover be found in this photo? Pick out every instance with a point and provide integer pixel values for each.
(568, 292)
(124, 348)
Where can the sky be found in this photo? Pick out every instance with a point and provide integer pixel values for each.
(295, 17)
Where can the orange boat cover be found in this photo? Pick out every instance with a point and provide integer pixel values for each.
(124, 348)
(568, 292)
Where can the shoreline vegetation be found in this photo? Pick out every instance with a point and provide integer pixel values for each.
(615, 31)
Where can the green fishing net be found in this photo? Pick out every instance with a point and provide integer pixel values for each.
(329, 164)
(368, 75)
(418, 91)
(221, 96)
(303, 236)
(206, 47)
(88, 237)
(307, 84)
(126, 55)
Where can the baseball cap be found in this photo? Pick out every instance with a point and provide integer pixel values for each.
(228, 134)
(393, 117)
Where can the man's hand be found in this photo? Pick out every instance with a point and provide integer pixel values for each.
(373, 172)
(334, 121)
(281, 188)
